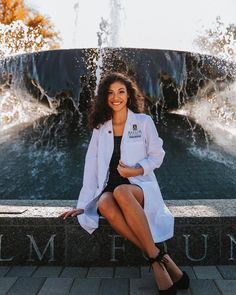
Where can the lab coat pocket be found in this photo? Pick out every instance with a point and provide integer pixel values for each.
(135, 152)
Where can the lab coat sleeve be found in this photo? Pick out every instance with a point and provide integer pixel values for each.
(155, 152)
(90, 179)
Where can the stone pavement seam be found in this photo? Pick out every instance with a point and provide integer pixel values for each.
(228, 272)
(207, 272)
(86, 275)
(7, 271)
(101, 272)
(21, 271)
(34, 271)
(56, 286)
(71, 286)
(218, 288)
(226, 286)
(6, 284)
(26, 286)
(76, 272)
(219, 279)
(59, 274)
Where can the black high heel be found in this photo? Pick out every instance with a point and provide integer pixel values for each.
(183, 282)
(161, 259)
(170, 291)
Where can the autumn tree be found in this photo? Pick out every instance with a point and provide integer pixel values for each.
(12, 10)
(23, 29)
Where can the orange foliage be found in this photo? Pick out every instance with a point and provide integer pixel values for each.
(13, 10)
(45, 27)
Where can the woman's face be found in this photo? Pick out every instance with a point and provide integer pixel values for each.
(117, 96)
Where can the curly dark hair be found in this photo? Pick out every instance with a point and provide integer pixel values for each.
(101, 112)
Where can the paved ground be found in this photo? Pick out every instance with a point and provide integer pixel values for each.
(45, 280)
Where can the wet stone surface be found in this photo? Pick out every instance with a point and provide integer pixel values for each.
(39, 237)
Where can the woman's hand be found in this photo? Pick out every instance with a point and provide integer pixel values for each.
(127, 171)
(71, 213)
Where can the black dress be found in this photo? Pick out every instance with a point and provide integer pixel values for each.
(115, 178)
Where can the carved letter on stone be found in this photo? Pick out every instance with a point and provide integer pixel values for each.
(232, 241)
(3, 259)
(114, 247)
(187, 248)
(39, 254)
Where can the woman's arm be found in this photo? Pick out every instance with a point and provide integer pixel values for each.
(72, 213)
(127, 171)
(155, 152)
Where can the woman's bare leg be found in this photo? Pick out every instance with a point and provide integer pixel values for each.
(128, 198)
(120, 225)
(111, 211)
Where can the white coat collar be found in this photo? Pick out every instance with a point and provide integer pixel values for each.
(130, 120)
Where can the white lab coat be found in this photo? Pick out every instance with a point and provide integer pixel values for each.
(140, 144)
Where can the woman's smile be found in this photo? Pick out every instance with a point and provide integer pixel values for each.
(116, 103)
(117, 96)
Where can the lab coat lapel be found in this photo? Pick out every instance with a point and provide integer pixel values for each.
(108, 145)
(130, 120)
(108, 137)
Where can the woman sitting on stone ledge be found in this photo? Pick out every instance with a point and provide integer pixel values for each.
(119, 182)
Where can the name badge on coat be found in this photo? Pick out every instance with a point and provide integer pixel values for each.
(135, 146)
(135, 132)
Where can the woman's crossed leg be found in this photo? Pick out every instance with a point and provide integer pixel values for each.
(123, 209)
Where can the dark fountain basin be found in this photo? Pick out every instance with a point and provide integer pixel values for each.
(43, 153)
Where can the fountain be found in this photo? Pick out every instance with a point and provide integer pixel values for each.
(53, 92)
(44, 100)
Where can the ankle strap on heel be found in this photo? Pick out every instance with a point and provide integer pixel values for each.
(159, 259)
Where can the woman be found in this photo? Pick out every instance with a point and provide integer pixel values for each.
(119, 182)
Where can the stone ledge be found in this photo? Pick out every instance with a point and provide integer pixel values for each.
(32, 233)
(185, 211)
(180, 208)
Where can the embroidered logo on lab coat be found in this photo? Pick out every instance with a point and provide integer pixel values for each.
(134, 133)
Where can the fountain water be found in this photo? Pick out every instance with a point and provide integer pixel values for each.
(44, 98)
(44, 101)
